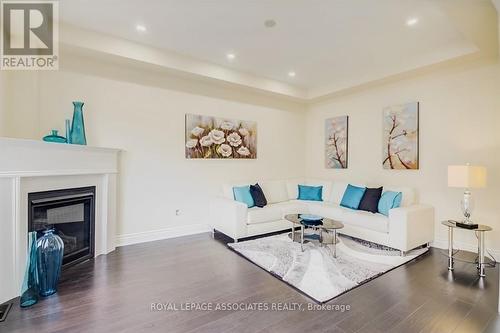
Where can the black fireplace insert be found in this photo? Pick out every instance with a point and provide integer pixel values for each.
(71, 213)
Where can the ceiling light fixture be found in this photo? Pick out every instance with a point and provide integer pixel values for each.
(292, 74)
(411, 21)
(140, 28)
(230, 56)
(269, 23)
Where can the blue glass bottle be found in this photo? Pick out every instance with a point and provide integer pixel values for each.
(29, 289)
(54, 137)
(78, 127)
(50, 255)
(68, 130)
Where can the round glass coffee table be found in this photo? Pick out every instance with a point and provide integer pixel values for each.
(323, 225)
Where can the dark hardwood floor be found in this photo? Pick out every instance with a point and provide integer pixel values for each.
(114, 293)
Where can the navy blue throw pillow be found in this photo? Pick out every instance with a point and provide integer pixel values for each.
(258, 195)
(370, 200)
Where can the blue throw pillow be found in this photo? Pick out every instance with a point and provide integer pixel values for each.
(242, 194)
(312, 193)
(352, 196)
(389, 200)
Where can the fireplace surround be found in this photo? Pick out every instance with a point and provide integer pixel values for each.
(35, 166)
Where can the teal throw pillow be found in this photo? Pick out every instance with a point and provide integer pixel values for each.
(352, 196)
(242, 194)
(312, 193)
(389, 200)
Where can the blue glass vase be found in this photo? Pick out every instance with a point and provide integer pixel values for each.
(77, 135)
(50, 255)
(54, 137)
(29, 289)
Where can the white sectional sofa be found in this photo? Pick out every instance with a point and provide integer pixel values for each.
(406, 227)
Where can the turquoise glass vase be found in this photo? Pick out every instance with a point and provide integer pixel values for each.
(77, 135)
(49, 263)
(29, 289)
(54, 137)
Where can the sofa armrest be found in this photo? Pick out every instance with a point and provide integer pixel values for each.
(229, 217)
(410, 227)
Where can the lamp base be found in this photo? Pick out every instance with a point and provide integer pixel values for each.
(466, 225)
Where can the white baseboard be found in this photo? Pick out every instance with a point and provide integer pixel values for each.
(153, 235)
(443, 244)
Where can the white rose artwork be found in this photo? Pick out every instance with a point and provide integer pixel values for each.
(218, 137)
(197, 131)
(243, 151)
(191, 143)
(211, 137)
(234, 139)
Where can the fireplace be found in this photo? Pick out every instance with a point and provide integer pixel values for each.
(71, 213)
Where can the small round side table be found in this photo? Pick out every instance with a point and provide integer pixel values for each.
(480, 259)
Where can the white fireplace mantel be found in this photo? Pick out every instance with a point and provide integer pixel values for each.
(31, 166)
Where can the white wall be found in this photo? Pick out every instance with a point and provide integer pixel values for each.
(143, 112)
(3, 103)
(459, 123)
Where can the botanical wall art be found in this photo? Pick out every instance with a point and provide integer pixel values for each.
(401, 136)
(211, 137)
(336, 135)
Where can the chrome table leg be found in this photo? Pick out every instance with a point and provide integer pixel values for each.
(481, 263)
(335, 243)
(302, 238)
(450, 248)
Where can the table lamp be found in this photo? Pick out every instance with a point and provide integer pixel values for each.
(467, 177)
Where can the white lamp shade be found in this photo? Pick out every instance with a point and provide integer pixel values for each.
(466, 176)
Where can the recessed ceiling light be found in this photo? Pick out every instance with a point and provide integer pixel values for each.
(411, 21)
(292, 74)
(230, 56)
(140, 28)
(269, 23)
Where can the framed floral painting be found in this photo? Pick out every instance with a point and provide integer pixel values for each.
(401, 137)
(336, 142)
(211, 137)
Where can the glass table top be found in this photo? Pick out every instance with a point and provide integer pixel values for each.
(326, 223)
(452, 224)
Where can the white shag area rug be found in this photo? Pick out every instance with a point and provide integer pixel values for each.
(315, 272)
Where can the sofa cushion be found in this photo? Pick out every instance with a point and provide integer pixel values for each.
(269, 213)
(293, 207)
(370, 200)
(227, 189)
(258, 195)
(408, 193)
(388, 201)
(338, 189)
(313, 193)
(326, 209)
(242, 194)
(274, 212)
(292, 188)
(275, 191)
(327, 187)
(352, 196)
(367, 220)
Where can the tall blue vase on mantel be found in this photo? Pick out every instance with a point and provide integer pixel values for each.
(50, 255)
(77, 132)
